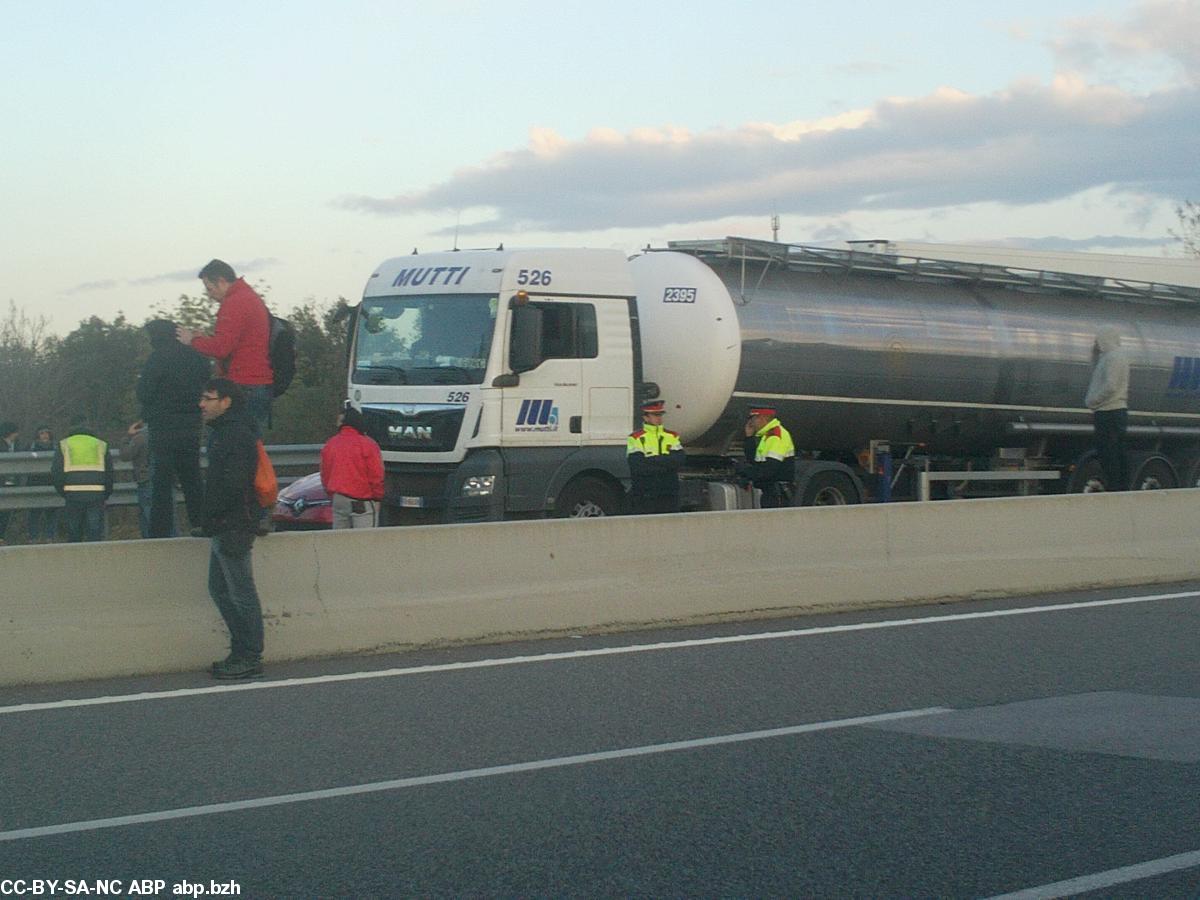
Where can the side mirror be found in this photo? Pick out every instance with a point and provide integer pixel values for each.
(525, 348)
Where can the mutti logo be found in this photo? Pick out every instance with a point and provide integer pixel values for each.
(430, 275)
(537, 415)
(1185, 376)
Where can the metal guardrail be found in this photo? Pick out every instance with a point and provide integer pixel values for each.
(37, 462)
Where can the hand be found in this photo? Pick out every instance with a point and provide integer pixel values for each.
(184, 335)
(135, 427)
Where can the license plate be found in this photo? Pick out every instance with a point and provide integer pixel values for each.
(411, 502)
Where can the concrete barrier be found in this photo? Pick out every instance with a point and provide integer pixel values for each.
(97, 610)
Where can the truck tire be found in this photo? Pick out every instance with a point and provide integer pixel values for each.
(829, 488)
(1154, 474)
(585, 498)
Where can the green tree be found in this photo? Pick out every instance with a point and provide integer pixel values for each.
(25, 366)
(198, 313)
(95, 370)
(1189, 227)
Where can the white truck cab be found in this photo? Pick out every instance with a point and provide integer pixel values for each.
(434, 370)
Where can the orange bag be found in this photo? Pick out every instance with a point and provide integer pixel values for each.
(266, 485)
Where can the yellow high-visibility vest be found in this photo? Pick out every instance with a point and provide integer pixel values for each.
(774, 442)
(84, 459)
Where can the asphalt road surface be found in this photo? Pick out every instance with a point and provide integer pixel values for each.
(1045, 745)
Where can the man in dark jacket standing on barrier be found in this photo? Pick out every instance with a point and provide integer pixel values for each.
(230, 514)
(170, 381)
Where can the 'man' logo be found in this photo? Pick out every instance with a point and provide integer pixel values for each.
(411, 432)
(1186, 374)
(537, 415)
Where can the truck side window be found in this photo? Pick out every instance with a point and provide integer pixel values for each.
(568, 330)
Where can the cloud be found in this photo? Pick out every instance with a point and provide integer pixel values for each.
(1030, 143)
(1096, 242)
(88, 286)
(1168, 29)
(176, 277)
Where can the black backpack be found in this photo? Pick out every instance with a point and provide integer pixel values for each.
(281, 350)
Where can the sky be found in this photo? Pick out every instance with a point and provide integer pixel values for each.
(305, 142)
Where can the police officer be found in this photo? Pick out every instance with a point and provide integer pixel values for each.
(655, 457)
(770, 456)
(82, 473)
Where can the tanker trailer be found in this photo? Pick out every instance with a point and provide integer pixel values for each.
(955, 365)
(502, 384)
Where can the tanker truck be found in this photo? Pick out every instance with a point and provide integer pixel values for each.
(503, 383)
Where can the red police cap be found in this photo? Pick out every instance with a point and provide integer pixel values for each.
(654, 406)
(763, 411)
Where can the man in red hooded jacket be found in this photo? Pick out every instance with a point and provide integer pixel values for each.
(352, 473)
(240, 341)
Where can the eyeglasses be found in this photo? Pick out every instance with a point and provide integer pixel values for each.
(210, 397)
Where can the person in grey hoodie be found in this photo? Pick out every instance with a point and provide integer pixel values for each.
(1108, 399)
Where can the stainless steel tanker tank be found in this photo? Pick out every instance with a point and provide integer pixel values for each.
(955, 364)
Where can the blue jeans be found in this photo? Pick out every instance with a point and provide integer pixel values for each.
(231, 586)
(84, 519)
(258, 405)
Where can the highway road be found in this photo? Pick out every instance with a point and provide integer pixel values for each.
(1034, 747)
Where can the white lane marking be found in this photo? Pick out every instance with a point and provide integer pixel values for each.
(1100, 880)
(376, 787)
(582, 654)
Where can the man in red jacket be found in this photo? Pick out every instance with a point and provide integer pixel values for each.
(240, 341)
(352, 473)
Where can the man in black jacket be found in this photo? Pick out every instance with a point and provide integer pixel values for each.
(229, 518)
(170, 381)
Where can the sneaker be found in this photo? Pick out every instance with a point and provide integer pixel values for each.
(237, 667)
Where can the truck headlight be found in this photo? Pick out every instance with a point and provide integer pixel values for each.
(478, 486)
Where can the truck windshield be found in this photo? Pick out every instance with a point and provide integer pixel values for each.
(437, 339)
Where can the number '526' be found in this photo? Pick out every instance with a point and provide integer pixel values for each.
(533, 276)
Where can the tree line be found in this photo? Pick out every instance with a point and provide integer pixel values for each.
(89, 375)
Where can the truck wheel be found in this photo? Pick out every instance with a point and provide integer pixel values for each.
(586, 498)
(1155, 474)
(829, 489)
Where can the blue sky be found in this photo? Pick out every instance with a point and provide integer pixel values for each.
(305, 142)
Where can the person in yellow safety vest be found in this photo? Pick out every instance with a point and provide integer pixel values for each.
(770, 456)
(82, 473)
(655, 456)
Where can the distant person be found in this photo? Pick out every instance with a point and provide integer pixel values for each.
(1108, 398)
(230, 518)
(655, 457)
(240, 341)
(82, 473)
(42, 521)
(352, 473)
(9, 433)
(770, 463)
(135, 449)
(170, 381)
